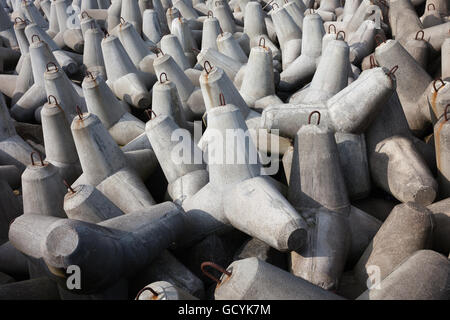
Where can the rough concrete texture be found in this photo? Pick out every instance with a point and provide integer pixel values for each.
(302, 143)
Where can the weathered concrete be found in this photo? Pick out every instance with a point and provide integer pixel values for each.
(59, 146)
(301, 70)
(401, 171)
(253, 279)
(86, 203)
(407, 229)
(105, 166)
(162, 290)
(442, 147)
(185, 173)
(100, 100)
(429, 272)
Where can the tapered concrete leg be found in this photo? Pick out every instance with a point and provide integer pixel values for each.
(409, 179)
(251, 278)
(407, 229)
(163, 290)
(429, 271)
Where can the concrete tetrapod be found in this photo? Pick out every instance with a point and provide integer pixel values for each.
(166, 101)
(407, 229)
(100, 100)
(93, 56)
(216, 85)
(412, 82)
(123, 77)
(237, 185)
(350, 110)
(123, 244)
(105, 165)
(35, 96)
(303, 67)
(401, 171)
(442, 147)
(429, 270)
(86, 203)
(316, 178)
(151, 28)
(445, 62)
(230, 47)
(68, 95)
(167, 268)
(13, 149)
(162, 290)
(43, 189)
(330, 77)
(417, 47)
(441, 234)
(138, 51)
(253, 279)
(255, 28)
(64, 59)
(210, 32)
(180, 28)
(191, 96)
(258, 81)
(59, 146)
(289, 36)
(185, 174)
(171, 45)
(315, 167)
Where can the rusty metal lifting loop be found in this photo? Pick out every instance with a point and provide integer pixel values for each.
(68, 186)
(221, 100)
(54, 98)
(20, 20)
(215, 266)
(51, 64)
(35, 35)
(337, 34)
(373, 63)
(318, 117)
(80, 114)
(392, 71)
(84, 14)
(158, 50)
(434, 84)
(379, 39)
(431, 4)
(210, 14)
(89, 74)
(106, 34)
(122, 21)
(160, 77)
(204, 66)
(445, 112)
(275, 4)
(149, 113)
(417, 34)
(334, 27)
(155, 294)
(195, 50)
(40, 158)
(263, 42)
